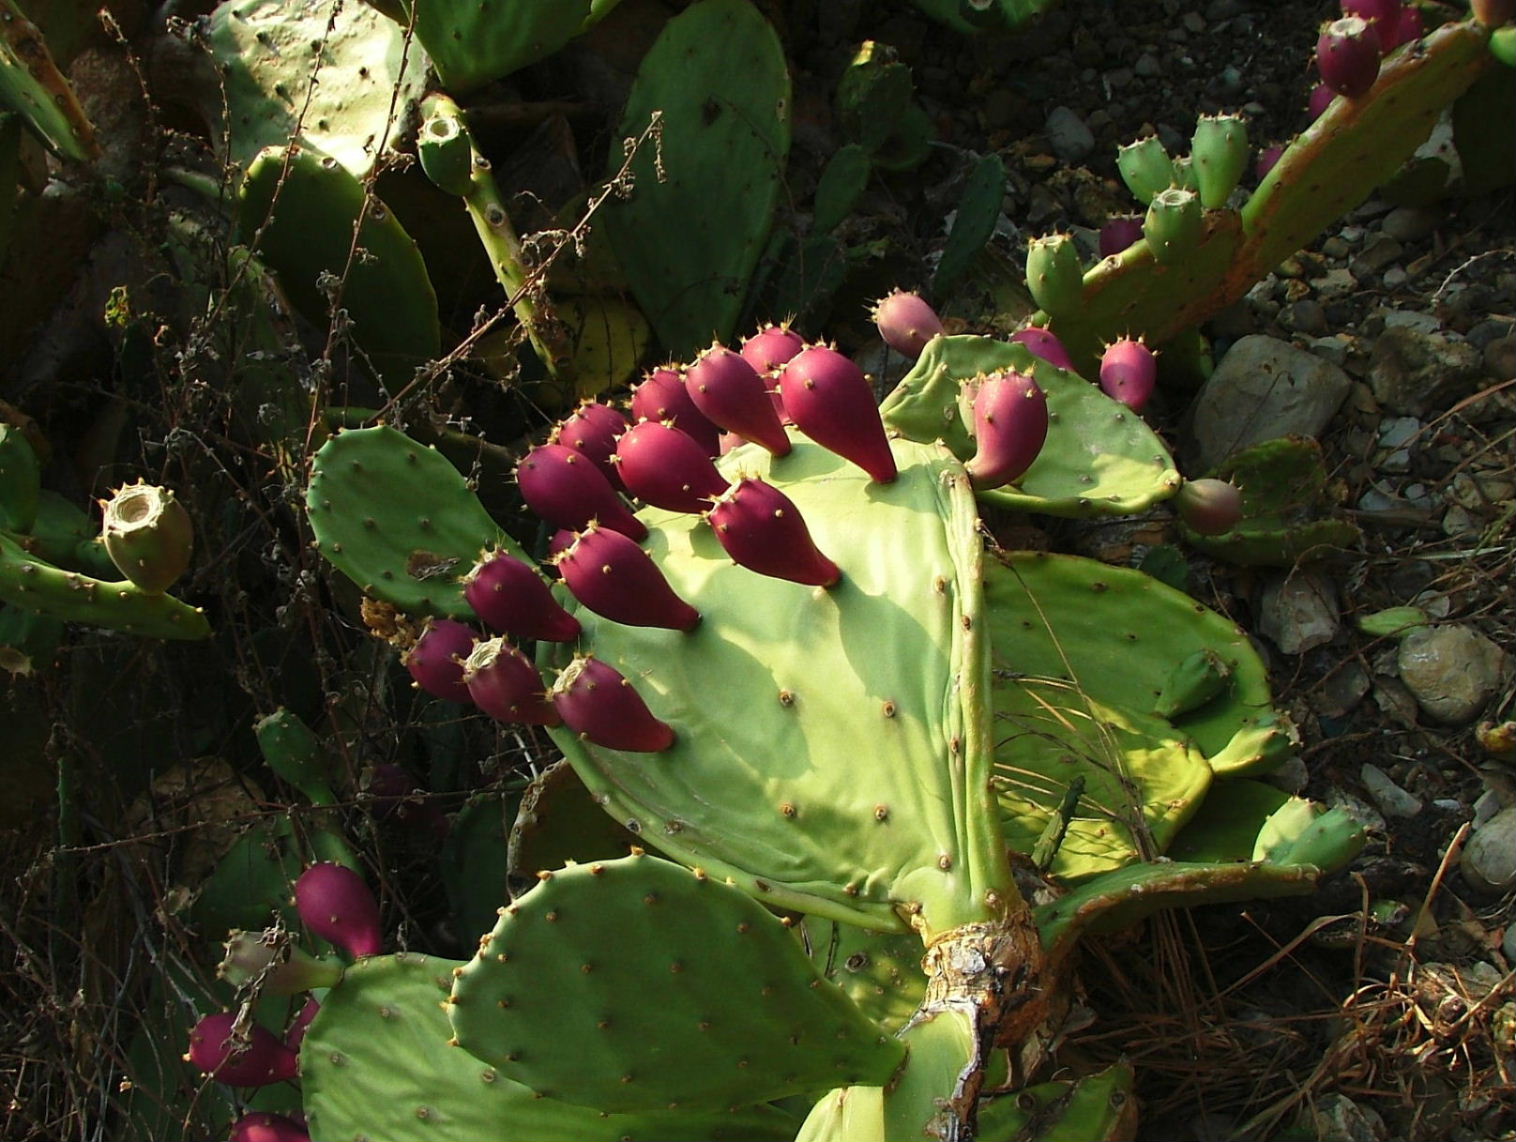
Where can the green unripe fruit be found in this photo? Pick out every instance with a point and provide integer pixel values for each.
(1184, 174)
(20, 480)
(291, 749)
(148, 535)
(447, 152)
(1219, 155)
(1145, 167)
(1055, 276)
(1173, 225)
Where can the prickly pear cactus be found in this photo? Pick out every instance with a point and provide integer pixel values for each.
(718, 78)
(32, 86)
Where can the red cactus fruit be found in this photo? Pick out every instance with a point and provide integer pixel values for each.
(1347, 55)
(906, 322)
(832, 402)
(619, 581)
(1407, 26)
(560, 541)
(565, 488)
(1267, 158)
(390, 789)
(771, 348)
(1043, 344)
(762, 529)
(1209, 506)
(592, 428)
(253, 1057)
(263, 1126)
(599, 704)
(1381, 13)
(730, 393)
(1128, 373)
(662, 396)
(1118, 234)
(1010, 426)
(434, 660)
(336, 904)
(665, 467)
(1320, 99)
(512, 598)
(505, 684)
(294, 1034)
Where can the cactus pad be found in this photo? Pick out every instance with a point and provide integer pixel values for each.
(399, 520)
(607, 980)
(32, 86)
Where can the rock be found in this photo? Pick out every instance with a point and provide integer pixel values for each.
(1392, 800)
(1375, 257)
(1417, 373)
(1337, 1118)
(1500, 358)
(1263, 389)
(1299, 611)
(1410, 319)
(1341, 690)
(1452, 671)
(1489, 858)
(1067, 134)
(1411, 223)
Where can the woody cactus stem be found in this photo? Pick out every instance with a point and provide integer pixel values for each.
(454, 163)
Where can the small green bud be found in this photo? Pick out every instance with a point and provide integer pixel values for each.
(1219, 154)
(1145, 168)
(148, 535)
(1054, 275)
(1174, 225)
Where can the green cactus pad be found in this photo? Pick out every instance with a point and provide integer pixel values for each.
(603, 983)
(558, 823)
(783, 688)
(1097, 1108)
(879, 971)
(717, 74)
(1356, 145)
(64, 534)
(377, 1063)
(33, 585)
(943, 1056)
(291, 749)
(475, 44)
(20, 480)
(399, 520)
(32, 86)
(472, 863)
(1100, 457)
(340, 79)
(847, 1114)
(307, 240)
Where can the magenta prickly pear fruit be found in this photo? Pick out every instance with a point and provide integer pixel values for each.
(619, 581)
(1382, 14)
(906, 322)
(512, 598)
(336, 904)
(771, 348)
(263, 1126)
(1044, 345)
(665, 467)
(1119, 233)
(1209, 506)
(1347, 55)
(1408, 26)
(252, 1056)
(435, 659)
(730, 393)
(148, 535)
(597, 702)
(763, 530)
(505, 684)
(1010, 426)
(560, 541)
(592, 428)
(662, 396)
(294, 1034)
(1267, 158)
(1128, 373)
(832, 402)
(1320, 99)
(567, 489)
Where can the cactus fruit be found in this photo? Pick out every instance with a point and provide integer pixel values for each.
(830, 400)
(906, 322)
(148, 535)
(237, 1055)
(730, 393)
(1145, 167)
(1115, 236)
(663, 397)
(435, 660)
(1219, 156)
(1044, 345)
(1128, 373)
(771, 348)
(1054, 275)
(336, 904)
(1010, 428)
(265, 1126)
(1347, 55)
(1173, 226)
(294, 1035)
(597, 701)
(276, 965)
(1319, 100)
(1209, 506)
(593, 429)
(665, 467)
(616, 579)
(512, 598)
(567, 489)
(762, 529)
(505, 685)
